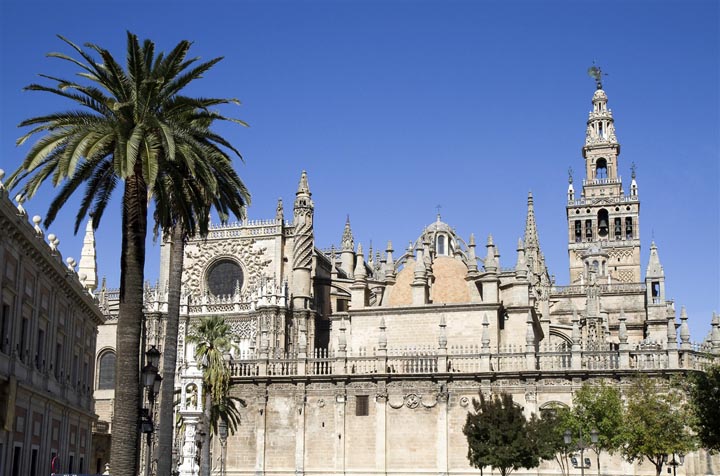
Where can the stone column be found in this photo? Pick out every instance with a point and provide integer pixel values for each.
(380, 428)
(260, 425)
(442, 430)
(189, 450)
(300, 399)
(340, 399)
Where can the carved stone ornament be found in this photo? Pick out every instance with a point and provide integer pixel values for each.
(443, 396)
(381, 397)
(198, 257)
(244, 328)
(412, 400)
(396, 405)
(530, 396)
(321, 402)
(464, 401)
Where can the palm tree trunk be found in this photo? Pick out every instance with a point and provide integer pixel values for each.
(125, 446)
(205, 462)
(166, 419)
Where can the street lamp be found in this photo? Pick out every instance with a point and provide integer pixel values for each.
(151, 380)
(581, 445)
(223, 433)
(674, 462)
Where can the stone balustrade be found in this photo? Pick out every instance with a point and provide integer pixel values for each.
(474, 359)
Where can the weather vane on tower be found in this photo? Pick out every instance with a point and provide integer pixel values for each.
(596, 73)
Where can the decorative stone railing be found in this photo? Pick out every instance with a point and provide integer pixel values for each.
(475, 359)
(604, 288)
(602, 181)
(589, 201)
(271, 295)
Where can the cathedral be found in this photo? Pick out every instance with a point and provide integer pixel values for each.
(365, 362)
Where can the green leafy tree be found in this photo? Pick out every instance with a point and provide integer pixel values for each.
(705, 404)
(598, 407)
(548, 435)
(212, 339)
(655, 426)
(498, 435)
(128, 126)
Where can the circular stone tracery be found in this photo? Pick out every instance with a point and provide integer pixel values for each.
(224, 277)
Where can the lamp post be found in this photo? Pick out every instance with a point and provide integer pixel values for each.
(581, 445)
(223, 433)
(677, 460)
(151, 382)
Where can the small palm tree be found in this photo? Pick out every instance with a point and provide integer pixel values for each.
(212, 339)
(132, 125)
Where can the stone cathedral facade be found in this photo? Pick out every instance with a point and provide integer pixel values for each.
(365, 362)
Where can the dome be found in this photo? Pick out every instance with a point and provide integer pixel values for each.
(599, 95)
(438, 226)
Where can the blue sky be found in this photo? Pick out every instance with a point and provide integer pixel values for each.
(395, 107)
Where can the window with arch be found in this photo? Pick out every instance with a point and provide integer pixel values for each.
(441, 247)
(106, 371)
(603, 222)
(552, 408)
(601, 168)
(224, 278)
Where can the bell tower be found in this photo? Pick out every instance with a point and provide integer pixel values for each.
(603, 223)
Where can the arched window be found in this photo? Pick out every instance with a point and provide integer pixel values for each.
(224, 278)
(106, 371)
(603, 223)
(601, 168)
(441, 245)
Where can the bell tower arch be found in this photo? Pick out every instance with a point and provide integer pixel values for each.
(603, 219)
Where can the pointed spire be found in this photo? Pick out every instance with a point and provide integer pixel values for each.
(333, 260)
(347, 250)
(715, 332)
(303, 203)
(654, 269)
(390, 264)
(671, 330)
(303, 185)
(472, 265)
(348, 243)
(279, 213)
(88, 263)
(490, 264)
(576, 336)
(521, 268)
(442, 338)
(382, 339)
(529, 330)
(419, 265)
(684, 329)
(622, 331)
(360, 273)
(531, 237)
(485, 333)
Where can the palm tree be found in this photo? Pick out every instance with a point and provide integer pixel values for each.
(212, 339)
(130, 124)
(214, 185)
